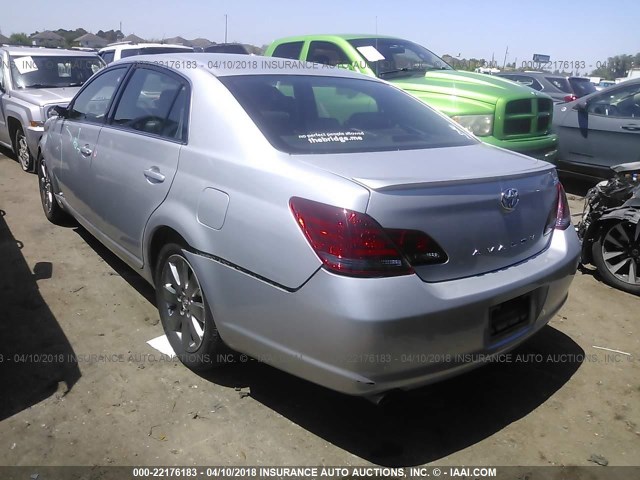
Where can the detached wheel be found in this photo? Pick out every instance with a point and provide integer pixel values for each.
(23, 155)
(52, 210)
(616, 253)
(184, 311)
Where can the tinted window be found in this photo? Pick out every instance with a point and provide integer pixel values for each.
(395, 57)
(132, 52)
(108, 56)
(152, 102)
(621, 102)
(560, 83)
(288, 50)
(326, 53)
(227, 48)
(525, 80)
(92, 104)
(582, 86)
(33, 71)
(317, 114)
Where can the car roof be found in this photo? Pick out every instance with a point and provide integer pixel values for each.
(231, 64)
(128, 46)
(37, 51)
(329, 36)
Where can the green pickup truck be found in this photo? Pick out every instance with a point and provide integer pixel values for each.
(498, 111)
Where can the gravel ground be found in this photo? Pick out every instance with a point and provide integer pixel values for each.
(80, 386)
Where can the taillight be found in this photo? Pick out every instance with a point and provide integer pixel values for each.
(417, 247)
(352, 243)
(560, 216)
(570, 98)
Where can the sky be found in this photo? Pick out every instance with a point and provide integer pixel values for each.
(587, 31)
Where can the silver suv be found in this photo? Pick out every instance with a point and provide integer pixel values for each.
(32, 82)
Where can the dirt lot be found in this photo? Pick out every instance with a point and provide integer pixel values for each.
(64, 297)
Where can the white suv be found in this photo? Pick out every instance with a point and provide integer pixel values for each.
(116, 51)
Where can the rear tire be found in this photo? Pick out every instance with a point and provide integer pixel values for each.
(184, 311)
(54, 212)
(21, 149)
(616, 254)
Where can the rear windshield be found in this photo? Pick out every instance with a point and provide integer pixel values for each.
(318, 114)
(132, 52)
(48, 71)
(582, 86)
(561, 83)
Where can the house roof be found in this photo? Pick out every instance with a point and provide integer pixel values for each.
(47, 35)
(133, 38)
(177, 41)
(4, 39)
(201, 42)
(90, 37)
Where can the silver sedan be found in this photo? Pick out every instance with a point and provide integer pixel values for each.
(323, 222)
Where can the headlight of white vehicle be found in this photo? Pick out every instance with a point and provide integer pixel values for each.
(480, 125)
(50, 112)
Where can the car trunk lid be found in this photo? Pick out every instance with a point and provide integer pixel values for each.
(454, 195)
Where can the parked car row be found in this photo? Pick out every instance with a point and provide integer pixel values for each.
(333, 224)
(560, 88)
(329, 223)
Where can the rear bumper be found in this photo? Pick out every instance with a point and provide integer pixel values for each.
(367, 336)
(542, 148)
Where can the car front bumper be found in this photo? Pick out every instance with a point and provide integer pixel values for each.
(33, 135)
(542, 148)
(368, 336)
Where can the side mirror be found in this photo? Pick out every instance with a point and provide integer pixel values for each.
(61, 111)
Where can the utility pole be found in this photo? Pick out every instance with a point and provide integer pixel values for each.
(376, 25)
(505, 57)
(226, 26)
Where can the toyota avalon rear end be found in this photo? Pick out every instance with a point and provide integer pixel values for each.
(326, 223)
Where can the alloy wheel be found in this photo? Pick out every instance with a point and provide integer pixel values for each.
(183, 303)
(24, 157)
(46, 192)
(621, 252)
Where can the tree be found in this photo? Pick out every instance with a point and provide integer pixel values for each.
(70, 35)
(19, 39)
(617, 66)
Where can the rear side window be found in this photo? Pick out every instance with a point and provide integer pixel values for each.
(92, 104)
(288, 50)
(326, 53)
(108, 56)
(318, 114)
(582, 86)
(153, 102)
(132, 52)
(560, 83)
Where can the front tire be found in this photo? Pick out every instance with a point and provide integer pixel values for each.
(616, 254)
(52, 210)
(184, 311)
(23, 155)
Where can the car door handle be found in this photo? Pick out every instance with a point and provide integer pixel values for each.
(86, 151)
(632, 126)
(154, 174)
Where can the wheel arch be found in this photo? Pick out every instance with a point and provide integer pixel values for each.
(13, 124)
(160, 236)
